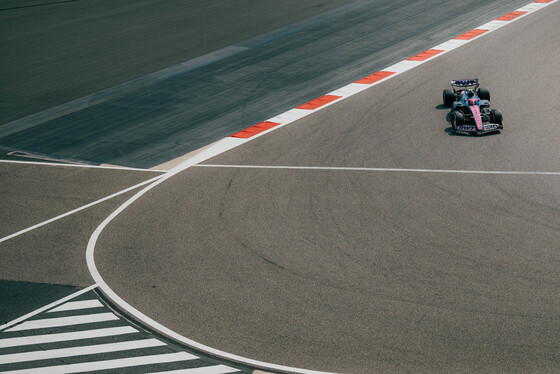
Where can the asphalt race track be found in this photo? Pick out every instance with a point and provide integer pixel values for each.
(283, 251)
(285, 54)
(357, 271)
(58, 51)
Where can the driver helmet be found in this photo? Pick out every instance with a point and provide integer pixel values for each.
(471, 99)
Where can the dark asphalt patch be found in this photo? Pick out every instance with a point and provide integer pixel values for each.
(20, 298)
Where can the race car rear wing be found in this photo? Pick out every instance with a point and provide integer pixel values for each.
(464, 82)
(460, 84)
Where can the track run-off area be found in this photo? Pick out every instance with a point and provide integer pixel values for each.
(363, 237)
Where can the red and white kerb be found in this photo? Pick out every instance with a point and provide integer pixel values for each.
(387, 73)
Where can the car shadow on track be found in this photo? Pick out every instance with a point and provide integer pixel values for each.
(449, 130)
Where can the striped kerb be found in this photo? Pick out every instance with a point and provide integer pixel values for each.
(510, 16)
(319, 102)
(425, 55)
(254, 130)
(471, 34)
(375, 77)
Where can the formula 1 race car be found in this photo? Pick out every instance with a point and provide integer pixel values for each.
(470, 108)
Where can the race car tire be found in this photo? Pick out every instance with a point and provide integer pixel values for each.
(448, 97)
(496, 116)
(457, 119)
(484, 93)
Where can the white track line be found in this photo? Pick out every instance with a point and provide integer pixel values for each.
(66, 337)
(218, 369)
(218, 148)
(121, 168)
(108, 364)
(80, 209)
(47, 307)
(51, 354)
(77, 305)
(64, 321)
(335, 168)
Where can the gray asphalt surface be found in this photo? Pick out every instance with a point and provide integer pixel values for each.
(57, 51)
(367, 272)
(52, 54)
(270, 64)
(19, 298)
(32, 194)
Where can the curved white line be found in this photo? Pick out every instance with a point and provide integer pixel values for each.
(219, 147)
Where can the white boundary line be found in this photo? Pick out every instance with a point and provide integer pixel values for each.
(105, 365)
(122, 168)
(46, 307)
(446, 171)
(79, 209)
(79, 350)
(21, 341)
(78, 305)
(47, 323)
(218, 148)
